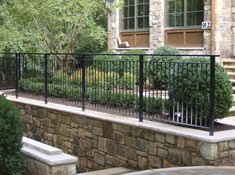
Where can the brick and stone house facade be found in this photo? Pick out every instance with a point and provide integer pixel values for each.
(148, 24)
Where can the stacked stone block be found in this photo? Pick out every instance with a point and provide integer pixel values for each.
(103, 144)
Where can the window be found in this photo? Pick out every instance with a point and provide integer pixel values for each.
(135, 15)
(185, 13)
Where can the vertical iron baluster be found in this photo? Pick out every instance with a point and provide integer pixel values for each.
(212, 95)
(19, 66)
(196, 109)
(17, 76)
(45, 79)
(187, 101)
(141, 84)
(83, 82)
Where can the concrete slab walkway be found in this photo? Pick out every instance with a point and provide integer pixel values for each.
(227, 121)
(203, 170)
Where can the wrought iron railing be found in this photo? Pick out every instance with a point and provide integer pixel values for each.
(146, 86)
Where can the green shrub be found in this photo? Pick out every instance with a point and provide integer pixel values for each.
(11, 131)
(107, 97)
(98, 94)
(76, 77)
(60, 76)
(130, 62)
(127, 81)
(155, 105)
(190, 85)
(106, 63)
(161, 66)
(32, 86)
(96, 78)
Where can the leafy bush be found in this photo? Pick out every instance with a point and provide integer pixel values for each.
(11, 131)
(190, 84)
(95, 94)
(107, 97)
(96, 78)
(130, 62)
(60, 76)
(76, 77)
(106, 63)
(156, 105)
(161, 66)
(127, 81)
(28, 85)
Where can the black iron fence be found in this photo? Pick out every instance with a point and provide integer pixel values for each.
(172, 88)
(7, 73)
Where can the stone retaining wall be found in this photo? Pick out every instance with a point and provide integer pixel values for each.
(100, 144)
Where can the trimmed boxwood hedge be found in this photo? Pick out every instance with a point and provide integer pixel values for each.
(11, 133)
(190, 83)
(161, 66)
(93, 95)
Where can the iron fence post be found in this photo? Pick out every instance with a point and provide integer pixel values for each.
(45, 79)
(212, 94)
(17, 75)
(83, 82)
(19, 66)
(141, 86)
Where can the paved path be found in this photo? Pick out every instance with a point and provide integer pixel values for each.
(227, 121)
(188, 171)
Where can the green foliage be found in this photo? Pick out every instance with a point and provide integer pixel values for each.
(28, 85)
(56, 26)
(127, 81)
(60, 76)
(156, 105)
(76, 77)
(161, 66)
(11, 131)
(190, 84)
(107, 97)
(94, 94)
(130, 61)
(106, 63)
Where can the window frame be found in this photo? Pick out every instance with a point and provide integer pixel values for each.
(185, 17)
(136, 29)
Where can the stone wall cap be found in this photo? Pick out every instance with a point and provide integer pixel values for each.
(41, 147)
(190, 133)
(55, 156)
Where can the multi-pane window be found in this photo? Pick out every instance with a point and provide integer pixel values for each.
(135, 16)
(185, 13)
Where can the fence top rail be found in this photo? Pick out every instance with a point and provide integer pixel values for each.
(116, 54)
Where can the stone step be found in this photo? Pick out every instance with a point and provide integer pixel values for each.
(229, 68)
(231, 75)
(229, 62)
(232, 81)
(110, 171)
